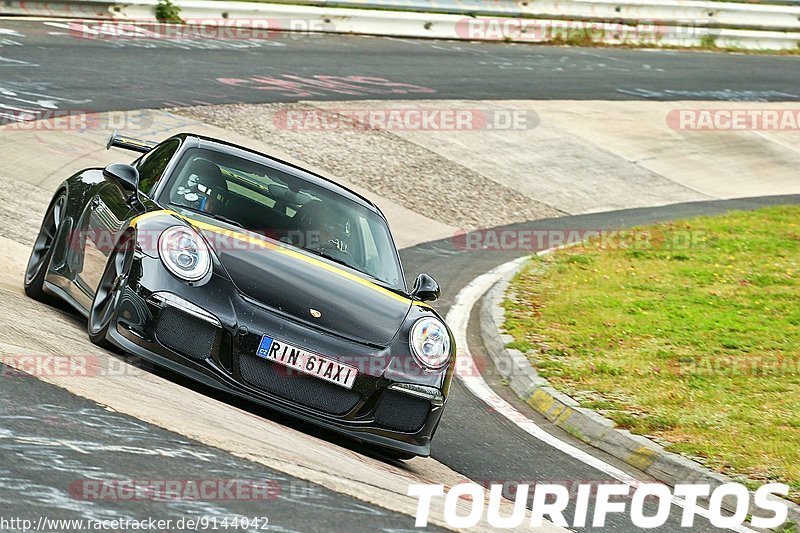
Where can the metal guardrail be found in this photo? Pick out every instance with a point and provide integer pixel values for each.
(74, 9)
(506, 8)
(715, 13)
(648, 22)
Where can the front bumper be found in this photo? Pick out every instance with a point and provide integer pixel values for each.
(211, 334)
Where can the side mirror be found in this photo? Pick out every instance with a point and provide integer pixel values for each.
(425, 288)
(125, 177)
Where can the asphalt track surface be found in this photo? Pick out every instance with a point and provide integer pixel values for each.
(56, 63)
(73, 73)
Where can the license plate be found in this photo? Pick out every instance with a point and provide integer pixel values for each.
(306, 362)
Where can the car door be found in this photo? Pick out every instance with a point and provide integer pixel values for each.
(107, 211)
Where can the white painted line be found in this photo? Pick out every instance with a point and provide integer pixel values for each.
(13, 117)
(7, 62)
(458, 319)
(23, 110)
(46, 100)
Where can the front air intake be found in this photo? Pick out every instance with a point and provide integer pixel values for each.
(306, 390)
(185, 334)
(402, 412)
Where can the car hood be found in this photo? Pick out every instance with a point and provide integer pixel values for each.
(303, 286)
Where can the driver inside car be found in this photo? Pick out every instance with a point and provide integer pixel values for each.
(326, 229)
(203, 187)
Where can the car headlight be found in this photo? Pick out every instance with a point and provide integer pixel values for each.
(184, 253)
(430, 343)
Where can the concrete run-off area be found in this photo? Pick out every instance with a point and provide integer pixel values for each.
(481, 164)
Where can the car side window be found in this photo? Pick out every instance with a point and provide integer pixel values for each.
(151, 166)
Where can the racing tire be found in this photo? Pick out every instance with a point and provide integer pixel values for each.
(42, 251)
(109, 292)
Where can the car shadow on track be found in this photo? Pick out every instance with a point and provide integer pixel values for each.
(256, 409)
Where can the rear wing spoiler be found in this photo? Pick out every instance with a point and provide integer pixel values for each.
(129, 143)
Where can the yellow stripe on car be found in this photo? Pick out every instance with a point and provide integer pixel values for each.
(152, 214)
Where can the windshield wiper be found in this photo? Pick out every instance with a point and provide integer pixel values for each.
(326, 255)
(210, 215)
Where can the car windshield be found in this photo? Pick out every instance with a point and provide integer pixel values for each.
(286, 208)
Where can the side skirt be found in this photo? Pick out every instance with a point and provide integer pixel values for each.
(64, 295)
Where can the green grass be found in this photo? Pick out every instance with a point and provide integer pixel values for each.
(694, 341)
(166, 11)
(708, 42)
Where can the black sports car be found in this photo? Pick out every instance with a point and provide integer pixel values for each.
(254, 276)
